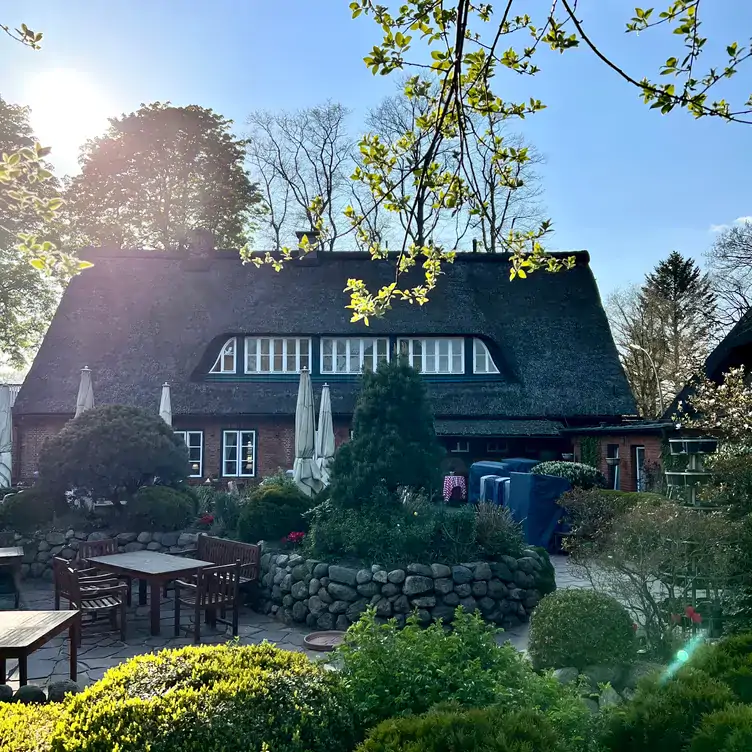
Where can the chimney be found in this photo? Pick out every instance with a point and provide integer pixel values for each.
(201, 242)
(314, 245)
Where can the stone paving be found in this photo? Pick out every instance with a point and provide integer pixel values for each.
(102, 649)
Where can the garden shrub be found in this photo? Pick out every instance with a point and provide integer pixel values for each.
(113, 451)
(389, 671)
(271, 511)
(27, 728)
(487, 730)
(496, 532)
(27, 510)
(663, 716)
(729, 661)
(160, 508)
(211, 699)
(728, 730)
(580, 628)
(546, 578)
(577, 473)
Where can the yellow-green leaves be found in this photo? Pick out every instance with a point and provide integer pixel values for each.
(24, 35)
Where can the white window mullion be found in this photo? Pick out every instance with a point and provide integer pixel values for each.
(297, 355)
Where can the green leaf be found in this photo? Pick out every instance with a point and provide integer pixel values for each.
(38, 264)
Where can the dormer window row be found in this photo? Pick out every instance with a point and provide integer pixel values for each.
(349, 356)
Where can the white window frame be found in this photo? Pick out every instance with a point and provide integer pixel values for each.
(219, 363)
(241, 471)
(423, 355)
(640, 474)
(481, 350)
(348, 342)
(460, 446)
(185, 435)
(274, 342)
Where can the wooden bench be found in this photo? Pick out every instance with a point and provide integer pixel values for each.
(223, 551)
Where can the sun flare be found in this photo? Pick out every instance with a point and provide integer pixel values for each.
(66, 109)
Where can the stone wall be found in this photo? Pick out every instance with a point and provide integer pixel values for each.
(328, 596)
(42, 547)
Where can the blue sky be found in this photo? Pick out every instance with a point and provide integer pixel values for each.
(620, 180)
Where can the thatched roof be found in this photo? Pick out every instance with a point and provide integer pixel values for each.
(138, 319)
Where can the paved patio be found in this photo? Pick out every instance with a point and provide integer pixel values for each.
(101, 648)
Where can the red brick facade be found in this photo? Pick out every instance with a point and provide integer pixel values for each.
(275, 441)
(627, 443)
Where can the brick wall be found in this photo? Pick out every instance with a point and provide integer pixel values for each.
(275, 441)
(626, 443)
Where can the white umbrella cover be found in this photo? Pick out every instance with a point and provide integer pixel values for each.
(85, 399)
(6, 426)
(305, 470)
(325, 436)
(165, 405)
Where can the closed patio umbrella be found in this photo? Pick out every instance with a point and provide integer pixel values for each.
(85, 399)
(5, 435)
(325, 436)
(305, 469)
(165, 405)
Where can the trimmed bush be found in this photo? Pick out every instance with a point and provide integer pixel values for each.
(210, 699)
(27, 510)
(728, 730)
(112, 451)
(161, 508)
(729, 661)
(27, 728)
(577, 473)
(496, 532)
(663, 717)
(487, 730)
(580, 628)
(272, 511)
(389, 671)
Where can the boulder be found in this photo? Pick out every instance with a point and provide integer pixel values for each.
(531, 599)
(144, 537)
(528, 565)
(396, 576)
(501, 571)
(377, 568)
(603, 674)
(338, 607)
(321, 570)
(443, 612)
(133, 546)
(342, 623)
(342, 592)
(390, 589)
(516, 594)
(67, 553)
(524, 580)
(369, 589)
(299, 591)
(486, 605)
(461, 575)
(343, 575)
(324, 595)
(424, 601)
(510, 561)
(482, 571)
(640, 671)
(417, 584)
(288, 600)
(609, 698)
(286, 585)
(187, 539)
(401, 605)
(299, 612)
(310, 620)
(451, 599)
(30, 694)
(316, 605)
(55, 538)
(591, 705)
(279, 575)
(424, 616)
(70, 533)
(325, 581)
(294, 560)
(421, 569)
(441, 571)
(157, 537)
(325, 621)
(170, 539)
(55, 550)
(479, 588)
(98, 535)
(443, 585)
(380, 577)
(282, 560)
(313, 586)
(469, 604)
(356, 609)
(464, 590)
(566, 675)
(43, 546)
(154, 546)
(6, 693)
(363, 576)
(299, 572)
(497, 589)
(384, 608)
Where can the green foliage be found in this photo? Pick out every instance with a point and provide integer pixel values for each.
(487, 730)
(578, 474)
(730, 486)
(496, 533)
(27, 510)
(728, 730)
(663, 716)
(394, 444)
(728, 661)
(113, 451)
(590, 451)
(27, 728)
(179, 170)
(580, 628)
(389, 671)
(546, 578)
(210, 699)
(160, 508)
(271, 511)
(227, 508)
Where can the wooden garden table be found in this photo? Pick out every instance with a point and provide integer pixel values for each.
(149, 567)
(12, 557)
(22, 632)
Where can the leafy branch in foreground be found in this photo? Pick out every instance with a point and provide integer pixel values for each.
(24, 35)
(455, 48)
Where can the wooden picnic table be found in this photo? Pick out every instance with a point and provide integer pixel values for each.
(12, 557)
(22, 632)
(149, 567)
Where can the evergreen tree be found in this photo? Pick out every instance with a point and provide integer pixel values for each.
(686, 306)
(394, 442)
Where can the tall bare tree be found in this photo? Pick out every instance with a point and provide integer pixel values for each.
(298, 157)
(730, 263)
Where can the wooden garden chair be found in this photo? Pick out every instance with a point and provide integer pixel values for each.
(87, 578)
(214, 592)
(102, 597)
(105, 547)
